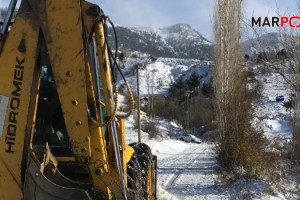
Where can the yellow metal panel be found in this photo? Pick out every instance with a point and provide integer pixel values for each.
(62, 28)
(105, 74)
(149, 179)
(17, 63)
(128, 150)
(128, 154)
(8, 185)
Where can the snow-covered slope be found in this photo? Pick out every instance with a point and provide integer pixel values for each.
(275, 117)
(177, 41)
(164, 72)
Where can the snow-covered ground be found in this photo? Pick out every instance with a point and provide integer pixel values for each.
(190, 171)
(275, 116)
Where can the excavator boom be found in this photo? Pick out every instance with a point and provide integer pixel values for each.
(60, 134)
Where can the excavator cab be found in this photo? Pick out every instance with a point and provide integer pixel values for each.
(50, 126)
(61, 136)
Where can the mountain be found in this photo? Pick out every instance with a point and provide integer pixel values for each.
(177, 41)
(269, 42)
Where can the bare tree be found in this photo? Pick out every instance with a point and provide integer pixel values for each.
(150, 83)
(227, 55)
(239, 145)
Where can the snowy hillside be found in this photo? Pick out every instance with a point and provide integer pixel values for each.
(276, 118)
(177, 41)
(164, 72)
(190, 171)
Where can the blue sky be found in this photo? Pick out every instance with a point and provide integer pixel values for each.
(197, 13)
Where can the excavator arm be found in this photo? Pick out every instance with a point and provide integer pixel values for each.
(79, 153)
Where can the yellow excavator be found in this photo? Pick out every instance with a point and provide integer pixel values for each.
(61, 136)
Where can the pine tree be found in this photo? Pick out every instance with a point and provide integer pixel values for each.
(193, 82)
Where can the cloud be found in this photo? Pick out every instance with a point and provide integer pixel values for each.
(5, 3)
(158, 13)
(270, 8)
(204, 18)
(197, 13)
(134, 13)
(258, 8)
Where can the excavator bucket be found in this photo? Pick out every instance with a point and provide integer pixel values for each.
(44, 181)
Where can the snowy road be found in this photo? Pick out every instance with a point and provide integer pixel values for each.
(191, 174)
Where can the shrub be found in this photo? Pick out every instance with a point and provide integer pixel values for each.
(207, 90)
(172, 109)
(242, 151)
(290, 104)
(241, 146)
(152, 129)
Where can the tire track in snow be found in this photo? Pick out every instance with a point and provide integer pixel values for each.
(173, 162)
(171, 180)
(190, 174)
(179, 157)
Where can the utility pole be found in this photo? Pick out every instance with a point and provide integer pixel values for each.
(188, 115)
(188, 112)
(151, 98)
(138, 102)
